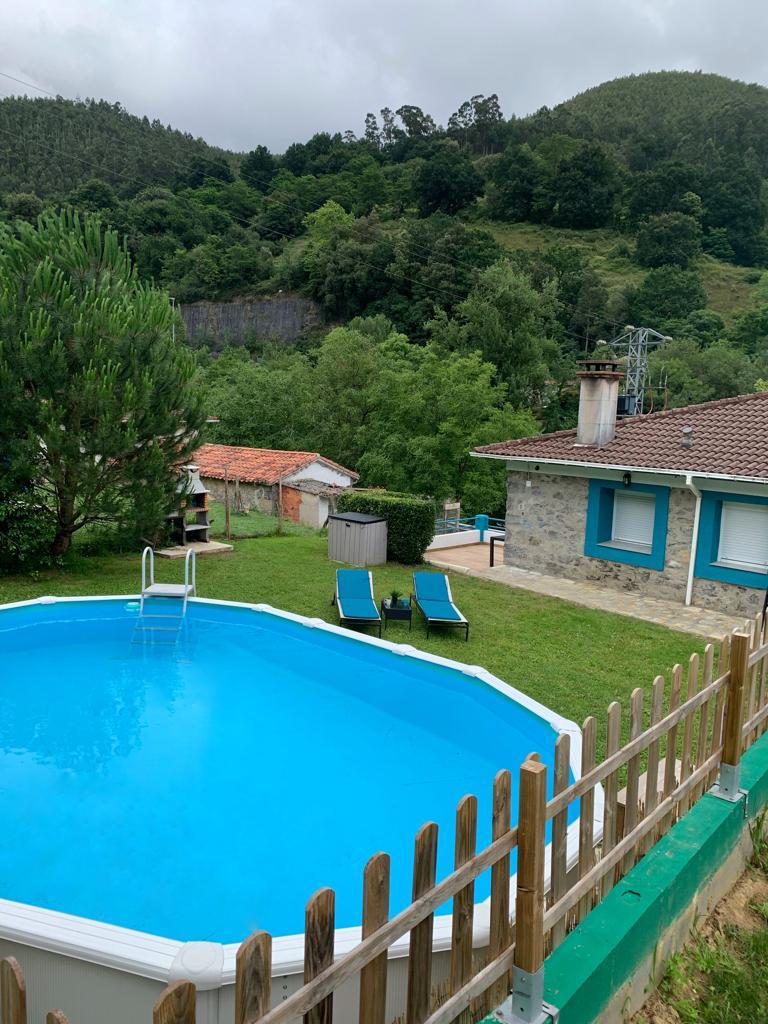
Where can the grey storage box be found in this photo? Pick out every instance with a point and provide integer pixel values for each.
(357, 539)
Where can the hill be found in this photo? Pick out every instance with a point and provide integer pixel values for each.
(50, 146)
(668, 115)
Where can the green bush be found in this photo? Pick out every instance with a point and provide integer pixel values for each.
(410, 520)
(26, 533)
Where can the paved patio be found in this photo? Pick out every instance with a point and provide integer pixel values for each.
(473, 560)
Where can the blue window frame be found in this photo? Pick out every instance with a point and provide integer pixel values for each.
(599, 539)
(708, 566)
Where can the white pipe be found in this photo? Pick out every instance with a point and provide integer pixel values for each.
(695, 538)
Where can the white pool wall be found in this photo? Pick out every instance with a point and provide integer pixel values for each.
(102, 971)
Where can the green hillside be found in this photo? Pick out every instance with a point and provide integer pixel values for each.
(50, 146)
(670, 114)
(731, 290)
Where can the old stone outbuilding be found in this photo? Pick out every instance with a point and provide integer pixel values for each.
(306, 483)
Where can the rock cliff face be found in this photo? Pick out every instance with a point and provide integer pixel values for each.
(284, 318)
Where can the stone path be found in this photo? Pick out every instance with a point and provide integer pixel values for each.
(472, 560)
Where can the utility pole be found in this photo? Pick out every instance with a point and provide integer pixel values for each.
(173, 321)
(637, 341)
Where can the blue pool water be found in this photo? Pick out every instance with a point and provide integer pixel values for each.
(204, 790)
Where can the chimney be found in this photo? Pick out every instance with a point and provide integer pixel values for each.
(598, 397)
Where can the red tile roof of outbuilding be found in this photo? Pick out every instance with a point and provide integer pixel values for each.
(730, 439)
(257, 465)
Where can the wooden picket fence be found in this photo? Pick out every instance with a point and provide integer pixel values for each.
(691, 725)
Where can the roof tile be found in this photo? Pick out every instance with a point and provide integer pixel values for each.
(256, 465)
(730, 438)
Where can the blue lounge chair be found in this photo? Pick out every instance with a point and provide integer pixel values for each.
(435, 602)
(354, 598)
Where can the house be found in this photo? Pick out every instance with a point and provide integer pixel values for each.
(673, 504)
(305, 483)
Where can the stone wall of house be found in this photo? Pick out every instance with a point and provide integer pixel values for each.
(260, 496)
(545, 527)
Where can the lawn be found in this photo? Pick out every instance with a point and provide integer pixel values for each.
(575, 660)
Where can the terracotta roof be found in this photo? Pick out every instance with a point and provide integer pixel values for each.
(730, 439)
(256, 465)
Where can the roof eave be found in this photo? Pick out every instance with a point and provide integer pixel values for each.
(621, 468)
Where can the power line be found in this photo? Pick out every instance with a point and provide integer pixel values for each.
(297, 207)
(21, 81)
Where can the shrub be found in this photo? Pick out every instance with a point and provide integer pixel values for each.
(410, 520)
(668, 238)
(26, 533)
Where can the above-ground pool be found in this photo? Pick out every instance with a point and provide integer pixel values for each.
(201, 789)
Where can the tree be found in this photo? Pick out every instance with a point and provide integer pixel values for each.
(448, 182)
(515, 176)
(695, 374)
(668, 238)
(665, 293)
(23, 206)
(587, 188)
(372, 134)
(93, 195)
(258, 168)
(205, 168)
(417, 124)
(96, 396)
(511, 324)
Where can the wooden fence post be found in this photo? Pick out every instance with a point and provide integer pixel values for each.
(587, 812)
(13, 992)
(253, 978)
(611, 791)
(464, 901)
(559, 872)
(730, 775)
(501, 932)
(420, 955)
(319, 926)
(176, 1004)
(528, 971)
(373, 977)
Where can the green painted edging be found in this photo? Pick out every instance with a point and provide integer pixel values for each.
(601, 954)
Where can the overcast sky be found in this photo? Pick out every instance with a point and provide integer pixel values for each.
(244, 72)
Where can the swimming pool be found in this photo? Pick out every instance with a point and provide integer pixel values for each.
(199, 790)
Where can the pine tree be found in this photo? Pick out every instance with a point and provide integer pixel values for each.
(97, 403)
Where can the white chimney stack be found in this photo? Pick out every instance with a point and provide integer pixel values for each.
(598, 398)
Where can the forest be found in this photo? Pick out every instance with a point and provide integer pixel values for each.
(461, 269)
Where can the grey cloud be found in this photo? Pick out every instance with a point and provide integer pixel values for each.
(276, 71)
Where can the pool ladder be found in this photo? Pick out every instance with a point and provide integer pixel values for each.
(162, 627)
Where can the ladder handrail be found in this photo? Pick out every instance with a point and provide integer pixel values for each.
(147, 551)
(189, 560)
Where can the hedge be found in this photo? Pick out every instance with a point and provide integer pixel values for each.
(410, 520)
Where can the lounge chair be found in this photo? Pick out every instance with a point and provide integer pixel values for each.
(354, 598)
(435, 602)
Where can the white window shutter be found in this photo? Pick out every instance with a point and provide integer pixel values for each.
(744, 535)
(633, 517)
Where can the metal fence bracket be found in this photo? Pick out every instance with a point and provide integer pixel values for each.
(526, 1003)
(728, 785)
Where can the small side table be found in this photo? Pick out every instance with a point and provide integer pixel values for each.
(400, 611)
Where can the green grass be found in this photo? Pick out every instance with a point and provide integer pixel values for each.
(731, 290)
(721, 975)
(575, 660)
(253, 523)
